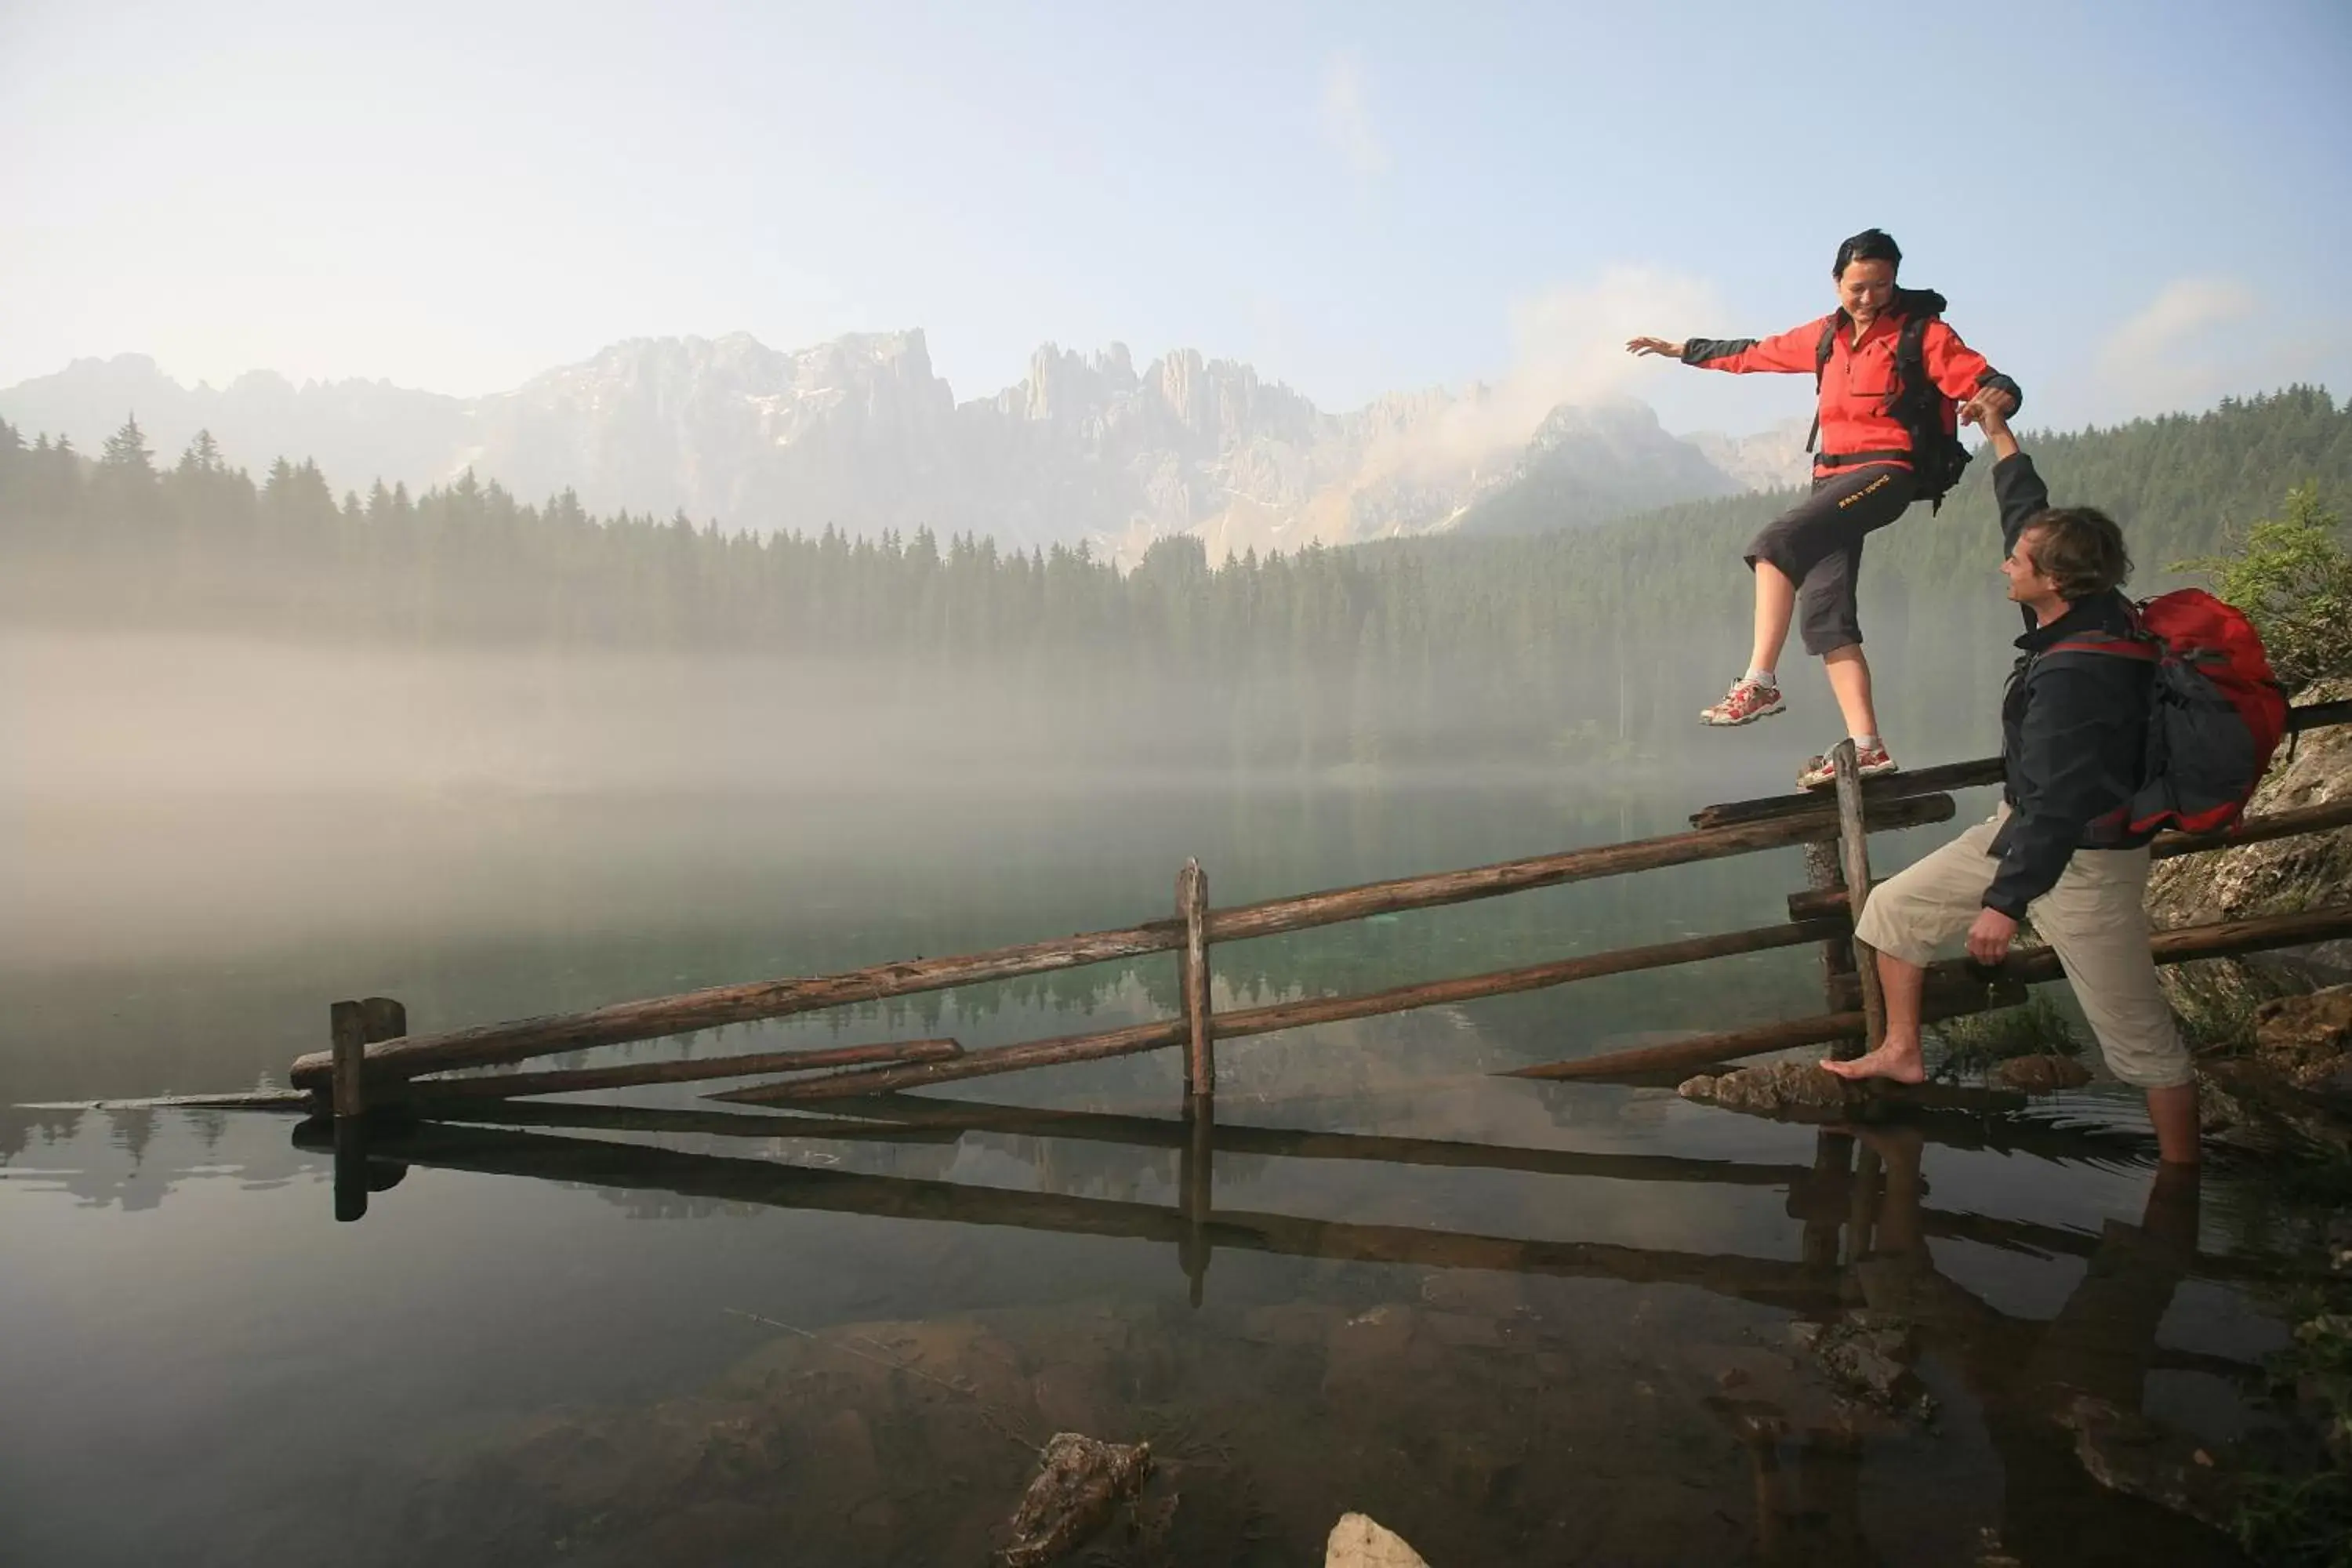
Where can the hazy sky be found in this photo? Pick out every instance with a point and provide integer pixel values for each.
(2132, 207)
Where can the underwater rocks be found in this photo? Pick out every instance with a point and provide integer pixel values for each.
(2307, 1040)
(1870, 1355)
(1080, 1483)
(2041, 1074)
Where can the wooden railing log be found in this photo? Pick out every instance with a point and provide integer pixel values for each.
(1280, 1016)
(491, 1044)
(436, 1091)
(1952, 776)
(2032, 965)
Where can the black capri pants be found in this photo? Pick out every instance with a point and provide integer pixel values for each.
(1818, 544)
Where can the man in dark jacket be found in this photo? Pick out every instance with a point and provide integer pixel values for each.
(2074, 732)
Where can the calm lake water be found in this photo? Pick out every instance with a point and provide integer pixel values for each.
(1517, 1322)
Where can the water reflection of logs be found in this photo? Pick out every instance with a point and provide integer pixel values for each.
(1814, 1190)
(643, 1167)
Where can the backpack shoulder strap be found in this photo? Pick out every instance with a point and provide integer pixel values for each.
(1911, 359)
(1821, 351)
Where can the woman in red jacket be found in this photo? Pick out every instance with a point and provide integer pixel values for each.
(1863, 480)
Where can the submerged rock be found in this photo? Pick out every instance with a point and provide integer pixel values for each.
(2041, 1074)
(1080, 1483)
(2307, 1040)
(2128, 1453)
(1802, 1091)
(1870, 1354)
(1782, 1088)
(1360, 1542)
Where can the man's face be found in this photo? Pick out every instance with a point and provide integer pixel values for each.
(1866, 288)
(2027, 585)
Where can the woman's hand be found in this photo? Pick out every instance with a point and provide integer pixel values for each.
(1655, 346)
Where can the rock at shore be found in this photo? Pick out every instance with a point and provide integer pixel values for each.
(1360, 1541)
(1801, 1091)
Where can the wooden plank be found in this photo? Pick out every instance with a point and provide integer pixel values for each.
(1816, 903)
(2029, 967)
(487, 1044)
(435, 1092)
(1819, 824)
(1280, 1016)
(1952, 776)
(1193, 975)
(1890, 787)
(1854, 857)
(491, 1044)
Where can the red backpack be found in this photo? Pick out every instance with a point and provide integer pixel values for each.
(2215, 711)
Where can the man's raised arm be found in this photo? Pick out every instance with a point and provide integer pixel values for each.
(2015, 486)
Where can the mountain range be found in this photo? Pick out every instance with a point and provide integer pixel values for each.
(862, 434)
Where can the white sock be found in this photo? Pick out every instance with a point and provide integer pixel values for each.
(1762, 677)
(1866, 743)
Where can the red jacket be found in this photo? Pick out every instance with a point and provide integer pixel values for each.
(1858, 384)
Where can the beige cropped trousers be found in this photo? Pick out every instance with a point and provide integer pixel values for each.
(2096, 919)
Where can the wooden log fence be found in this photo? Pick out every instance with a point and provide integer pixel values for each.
(2222, 939)
(493, 1044)
(390, 1067)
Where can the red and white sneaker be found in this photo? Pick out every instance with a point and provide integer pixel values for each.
(1869, 762)
(1746, 701)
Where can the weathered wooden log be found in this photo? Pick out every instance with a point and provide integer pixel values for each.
(1854, 858)
(1819, 824)
(1816, 903)
(491, 1044)
(1281, 1015)
(1193, 977)
(2219, 939)
(435, 1091)
(487, 1044)
(249, 1099)
(1952, 776)
(1888, 789)
(896, 1114)
(1824, 898)
(1948, 994)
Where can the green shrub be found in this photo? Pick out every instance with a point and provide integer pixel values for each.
(2292, 577)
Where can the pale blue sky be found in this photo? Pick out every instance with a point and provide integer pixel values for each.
(2132, 207)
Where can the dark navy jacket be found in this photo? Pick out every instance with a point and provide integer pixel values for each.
(2074, 727)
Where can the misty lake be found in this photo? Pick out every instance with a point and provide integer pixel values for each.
(1517, 1322)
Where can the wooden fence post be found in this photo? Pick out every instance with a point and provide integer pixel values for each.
(1855, 842)
(355, 1026)
(347, 1022)
(1193, 972)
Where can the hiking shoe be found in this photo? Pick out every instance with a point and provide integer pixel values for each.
(1746, 701)
(1869, 762)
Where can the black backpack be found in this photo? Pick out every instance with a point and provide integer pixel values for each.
(1931, 419)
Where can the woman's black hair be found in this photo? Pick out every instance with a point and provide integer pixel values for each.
(1870, 244)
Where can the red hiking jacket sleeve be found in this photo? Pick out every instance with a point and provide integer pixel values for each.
(1957, 369)
(1793, 352)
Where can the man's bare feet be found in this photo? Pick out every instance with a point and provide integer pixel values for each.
(1898, 1062)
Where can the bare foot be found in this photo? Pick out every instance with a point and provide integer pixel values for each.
(1898, 1062)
